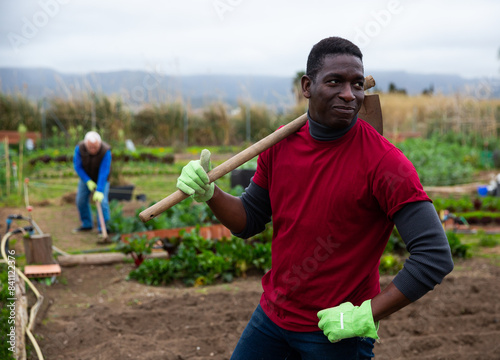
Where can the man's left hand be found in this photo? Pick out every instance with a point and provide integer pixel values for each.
(347, 321)
(98, 196)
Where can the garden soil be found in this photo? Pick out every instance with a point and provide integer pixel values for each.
(93, 312)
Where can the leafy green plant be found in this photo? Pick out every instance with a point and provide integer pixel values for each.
(237, 190)
(261, 256)
(264, 236)
(490, 203)
(153, 272)
(479, 214)
(458, 249)
(138, 247)
(439, 163)
(479, 217)
(390, 264)
(395, 243)
(465, 204)
(119, 224)
(199, 261)
(186, 213)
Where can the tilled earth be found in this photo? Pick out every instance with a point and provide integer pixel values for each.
(94, 313)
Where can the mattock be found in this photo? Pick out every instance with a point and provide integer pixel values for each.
(370, 112)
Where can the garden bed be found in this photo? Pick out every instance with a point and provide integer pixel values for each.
(216, 231)
(94, 313)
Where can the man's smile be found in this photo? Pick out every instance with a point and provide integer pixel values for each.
(344, 109)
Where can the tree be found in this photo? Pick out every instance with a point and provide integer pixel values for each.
(393, 89)
(429, 91)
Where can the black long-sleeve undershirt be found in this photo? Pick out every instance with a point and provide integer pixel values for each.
(418, 224)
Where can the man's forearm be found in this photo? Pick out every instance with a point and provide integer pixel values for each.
(228, 209)
(387, 302)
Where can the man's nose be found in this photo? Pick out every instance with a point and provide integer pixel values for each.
(346, 93)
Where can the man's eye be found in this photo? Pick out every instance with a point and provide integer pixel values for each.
(334, 81)
(359, 84)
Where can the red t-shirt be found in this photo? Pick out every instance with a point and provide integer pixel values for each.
(332, 204)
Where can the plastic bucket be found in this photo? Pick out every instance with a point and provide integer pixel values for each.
(482, 190)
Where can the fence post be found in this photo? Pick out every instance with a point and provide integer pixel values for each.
(7, 166)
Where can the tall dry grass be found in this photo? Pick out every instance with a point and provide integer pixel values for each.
(164, 124)
(438, 113)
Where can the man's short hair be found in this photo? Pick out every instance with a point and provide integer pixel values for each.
(329, 46)
(92, 137)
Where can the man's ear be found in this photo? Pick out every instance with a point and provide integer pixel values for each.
(305, 83)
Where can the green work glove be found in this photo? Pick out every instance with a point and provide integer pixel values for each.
(91, 185)
(194, 179)
(98, 196)
(347, 321)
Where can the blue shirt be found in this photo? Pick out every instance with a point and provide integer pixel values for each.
(104, 169)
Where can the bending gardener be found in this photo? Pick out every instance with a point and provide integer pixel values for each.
(92, 163)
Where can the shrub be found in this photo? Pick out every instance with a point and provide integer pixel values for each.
(262, 122)
(457, 248)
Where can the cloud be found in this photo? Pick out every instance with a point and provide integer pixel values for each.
(249, 37)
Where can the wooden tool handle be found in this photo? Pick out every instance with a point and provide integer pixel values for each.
(236, 160)
(101, 220)
(369, 82)
(228, 166)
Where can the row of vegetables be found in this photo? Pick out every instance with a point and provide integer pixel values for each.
(196, 261)
(438, 160)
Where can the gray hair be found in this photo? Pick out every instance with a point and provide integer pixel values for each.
(92, 137)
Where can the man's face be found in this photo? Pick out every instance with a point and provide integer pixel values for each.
(336, 94)
(93, 147)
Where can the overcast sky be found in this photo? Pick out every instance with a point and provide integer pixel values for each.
(272, 37)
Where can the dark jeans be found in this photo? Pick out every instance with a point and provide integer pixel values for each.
(264, 340)
(83, 205)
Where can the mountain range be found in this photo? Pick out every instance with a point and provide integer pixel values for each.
(139, 87)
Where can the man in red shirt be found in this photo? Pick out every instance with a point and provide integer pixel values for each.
(334, 190)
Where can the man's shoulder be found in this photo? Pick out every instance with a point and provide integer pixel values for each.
(371, 135)
(80, 148)
(105, 146)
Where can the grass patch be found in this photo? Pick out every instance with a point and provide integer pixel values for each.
(489, 240)
(478, 245)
